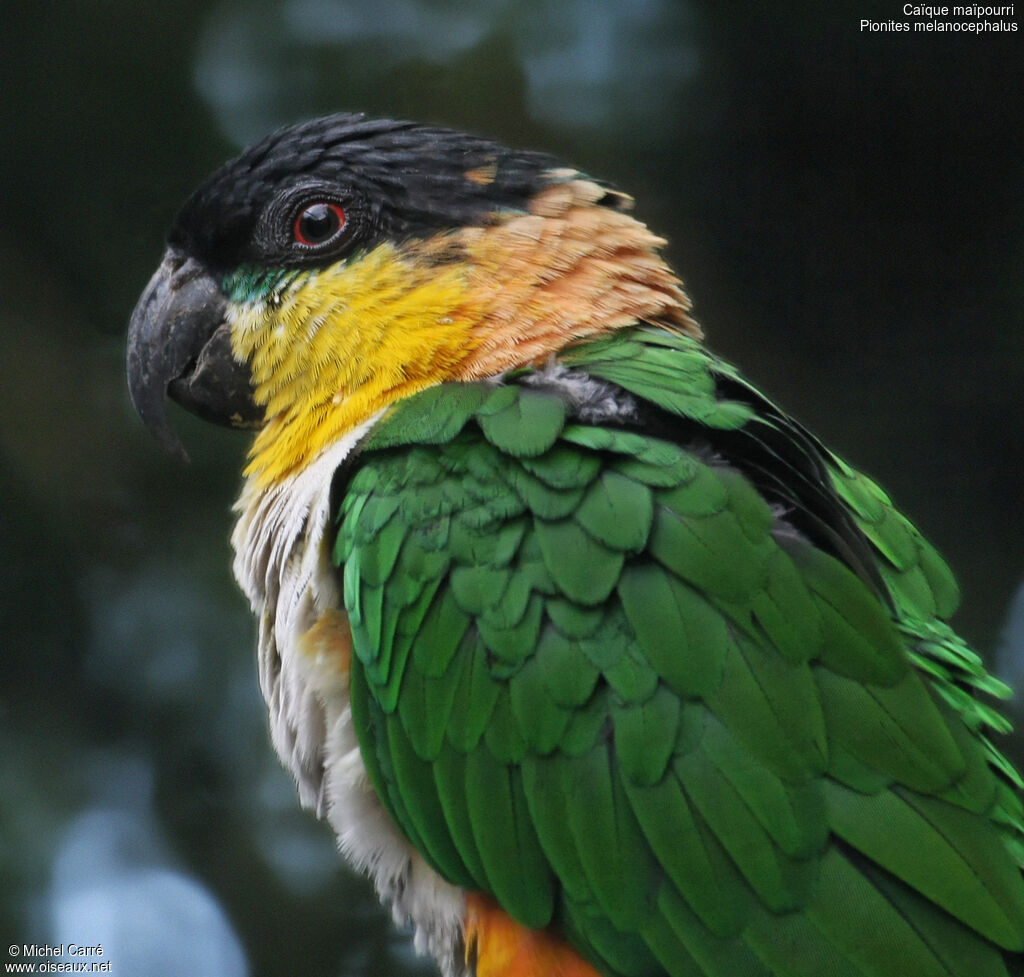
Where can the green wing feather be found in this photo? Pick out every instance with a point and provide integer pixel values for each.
(690, 699)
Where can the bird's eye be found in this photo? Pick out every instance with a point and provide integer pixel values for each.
(318, 224)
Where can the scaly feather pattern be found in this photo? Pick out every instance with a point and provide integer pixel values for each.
(671, 680)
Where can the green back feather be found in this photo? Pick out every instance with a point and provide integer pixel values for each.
(689, 698)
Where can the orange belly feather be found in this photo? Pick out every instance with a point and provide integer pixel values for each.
(504, 948)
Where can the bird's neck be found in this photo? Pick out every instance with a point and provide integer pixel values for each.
(328, 349)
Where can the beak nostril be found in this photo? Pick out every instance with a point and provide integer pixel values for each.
(183, 270)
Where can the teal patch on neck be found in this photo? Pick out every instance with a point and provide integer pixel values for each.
(251, 284)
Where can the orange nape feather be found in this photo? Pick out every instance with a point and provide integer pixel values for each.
(570, 269)
(502, 947)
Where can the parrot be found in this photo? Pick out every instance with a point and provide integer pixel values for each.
(597, 662)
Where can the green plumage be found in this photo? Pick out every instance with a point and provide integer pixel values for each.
(687, 697)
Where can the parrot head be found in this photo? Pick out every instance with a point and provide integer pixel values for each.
(342, 264)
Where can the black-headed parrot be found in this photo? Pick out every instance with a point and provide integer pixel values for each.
(596, 660)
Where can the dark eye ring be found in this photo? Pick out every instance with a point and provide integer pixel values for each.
(318, 224)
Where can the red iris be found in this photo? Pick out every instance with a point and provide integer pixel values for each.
(318, 224)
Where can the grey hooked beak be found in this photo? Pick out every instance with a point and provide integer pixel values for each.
(179, 344)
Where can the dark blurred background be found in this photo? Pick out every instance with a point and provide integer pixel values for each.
(846, 208)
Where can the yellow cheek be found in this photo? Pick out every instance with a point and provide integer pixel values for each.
(332, 347)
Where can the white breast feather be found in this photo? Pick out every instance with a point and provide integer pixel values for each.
(283, 563)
